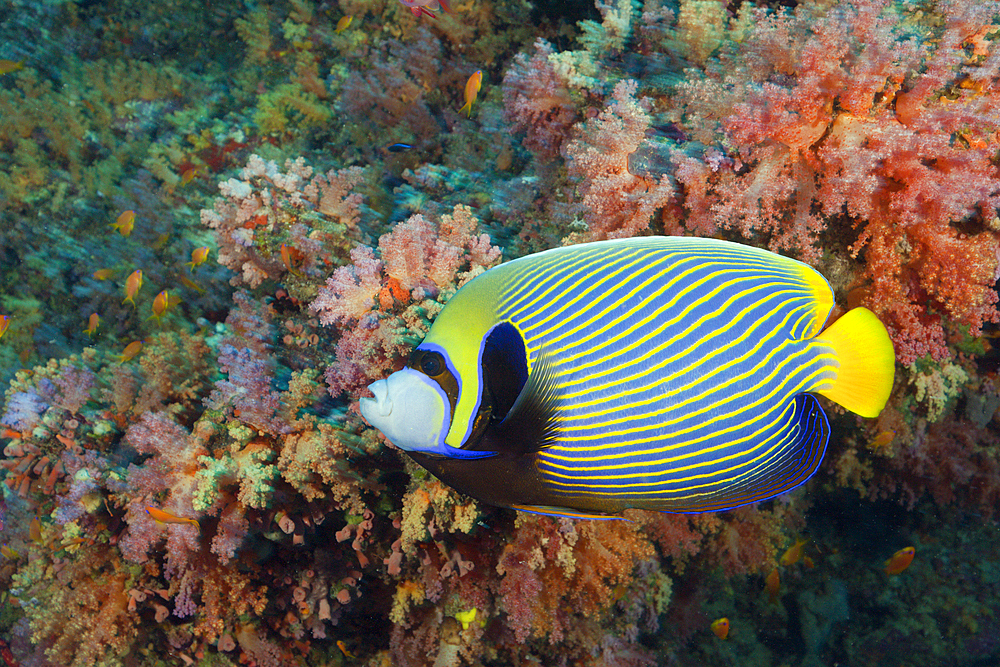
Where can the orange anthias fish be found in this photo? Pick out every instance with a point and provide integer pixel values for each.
(772, 585)
(130, 352)
(8, 66)
(343, 24)
(343, 649)
(188, 175)
(900, 560)
(4, 323)
(198, 257)
(472, 87)
(160, 304)
(190, 284)
(883, 439)
(92, 324)
(794, 554)
(720, 627)
(102, 274)
(289, 256)
(125, 223)
(160, 516)
(35, 531)
(132, 285)
(419, 7)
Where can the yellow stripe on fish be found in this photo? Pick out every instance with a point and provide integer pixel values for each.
(663, 373)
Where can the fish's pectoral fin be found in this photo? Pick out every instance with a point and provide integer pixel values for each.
(867, 363)
(529, 425)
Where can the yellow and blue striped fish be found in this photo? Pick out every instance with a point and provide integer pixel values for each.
(662, 373)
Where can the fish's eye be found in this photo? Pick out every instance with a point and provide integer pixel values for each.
(431, 364)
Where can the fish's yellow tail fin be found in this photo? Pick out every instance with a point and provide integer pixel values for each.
(867, 362)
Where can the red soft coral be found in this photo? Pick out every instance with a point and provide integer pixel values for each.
(837, 112)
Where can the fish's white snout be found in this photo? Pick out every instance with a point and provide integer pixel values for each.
(381, 403)
(410, 409)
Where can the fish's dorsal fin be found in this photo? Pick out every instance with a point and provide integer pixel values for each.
(529, 425)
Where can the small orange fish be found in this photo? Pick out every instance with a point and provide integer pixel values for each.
(161, 241)
(190, 284)
(92, 324)
(35, 530)
(4, 323)
(343, 24)
(189, 175)
(793, 555)
(132, 285)
(8, 553)
(720, 627)
(130, 352)
(160, 304)
(808, 562)
(161, 516)
(343, 649)
(772, 585)
(71, 545)
(125, 223)
(883, 439)
(102, 274)
(289, 256)
(198, 257)
(8, 66)
(900, 560)
(472, 90)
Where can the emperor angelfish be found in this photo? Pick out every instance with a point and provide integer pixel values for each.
(662, 373)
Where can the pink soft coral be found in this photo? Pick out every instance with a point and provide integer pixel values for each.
(271, 222)
(373, 300)
(537, 102)
(618, 203)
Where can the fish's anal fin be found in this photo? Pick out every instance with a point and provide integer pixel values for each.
(565, 512)
(867, 362)
(799, 460)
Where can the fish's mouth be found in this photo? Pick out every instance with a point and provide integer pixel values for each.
(381, 404)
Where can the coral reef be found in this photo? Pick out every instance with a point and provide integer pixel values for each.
(192, 482)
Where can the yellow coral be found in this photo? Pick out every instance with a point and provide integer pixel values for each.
(466, 617)
(255, 33)
(701, 26)
(937, 387)
(408, 594)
